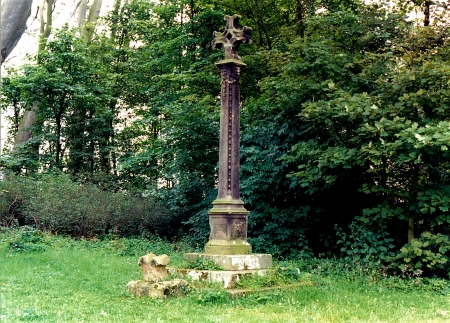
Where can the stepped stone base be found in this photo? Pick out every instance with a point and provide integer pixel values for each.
(228, 278)
(235, 262)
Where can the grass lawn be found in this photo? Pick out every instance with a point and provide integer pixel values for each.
(72, 283)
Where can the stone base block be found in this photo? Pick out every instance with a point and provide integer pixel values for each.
(228, 247)
(236, 262)
(228, 278)
(157, 290)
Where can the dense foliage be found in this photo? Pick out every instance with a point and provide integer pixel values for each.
(345, 121)
(54, 203)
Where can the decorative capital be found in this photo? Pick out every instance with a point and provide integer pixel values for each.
(232, 37)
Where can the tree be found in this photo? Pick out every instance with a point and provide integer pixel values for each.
(62, 83)
(46, 23)
(177, 108)
(87, 24)
(14, 15)
(431, 10)
(344, 116)
(303, 171)
(375, 138)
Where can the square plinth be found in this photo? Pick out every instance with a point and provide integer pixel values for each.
(235, 262)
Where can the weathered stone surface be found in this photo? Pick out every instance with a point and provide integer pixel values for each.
(138, 288)
(158, 290)
(228, 218)
(154, 267)
(146, 259)
(228, 278)
(228, 247)
(228, 223)
(162, 260)
(236, 262)
(232, 37)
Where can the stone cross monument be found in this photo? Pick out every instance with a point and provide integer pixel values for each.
(228, 246)
(228, 217)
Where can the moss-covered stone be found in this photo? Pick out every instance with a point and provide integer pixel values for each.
(159, 290)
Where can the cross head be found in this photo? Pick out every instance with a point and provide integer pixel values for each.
(232, 37)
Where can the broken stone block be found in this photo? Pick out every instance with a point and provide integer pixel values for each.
(154, 267)
(162, 260)
(138, 288)
(157, 290)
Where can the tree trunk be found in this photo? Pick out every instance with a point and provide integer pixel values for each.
(47, 24)
(58, 140)
(82, 9)
(410, 229)
(426, 13)
(413, 198)
(115, 15)
(14, 15)
(300, 19)
(29, 117)
(89, 28)
(41, 18)
(24, 132)
(59, 125)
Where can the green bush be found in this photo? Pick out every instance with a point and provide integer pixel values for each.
(27, 239)
(54, 203)
(14, 193)
(203, 264)
(363, 247)
(280, 276)
(429, 254)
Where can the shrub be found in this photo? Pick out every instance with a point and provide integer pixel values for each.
(54, 203)
(14, 193)
(364, 247)
(430, 253)
(203, 264)
(279, 232)
(280, 276)
(27, 239)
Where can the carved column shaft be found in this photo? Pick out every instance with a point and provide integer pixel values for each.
(228, 218)
(229, 133)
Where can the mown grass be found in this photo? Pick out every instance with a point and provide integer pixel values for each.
(77, 281)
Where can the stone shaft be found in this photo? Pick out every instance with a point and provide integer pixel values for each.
(228, 218)
(229, 132)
